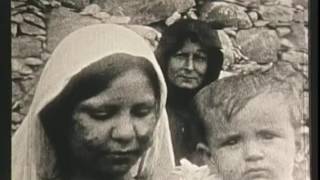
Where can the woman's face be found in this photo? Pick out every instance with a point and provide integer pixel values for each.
(187, 68)
(112, 129)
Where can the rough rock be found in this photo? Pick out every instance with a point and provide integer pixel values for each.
(253, 16)
(145, 11)
(35, 10)
(17, 18)
(245, 3)
(150, 34)
(224, 74)
(76, 4)
(20, 67)
(250, 66)
(119, 19)
(14, 29)
(295, 57)
(31, 18)
(282, 31)
(286, 2)
(16, 4)
(277, 2)
(16, 92)
(300, 16)
(62, 22)
(25, 46)
(228, 15)
(286, 44)
(227, 49)
(31, 29)
(299, 36)
(16, 118)
(261, 23)
(304, 3)
(276, 14)
(269, 2)
(32, 61)
(260, 44)
(306, 105)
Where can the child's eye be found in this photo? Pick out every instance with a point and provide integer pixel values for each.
(231, 141)
(267, 135)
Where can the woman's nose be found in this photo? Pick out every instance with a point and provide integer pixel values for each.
(253, 151)
(123, 131)
(189, 63)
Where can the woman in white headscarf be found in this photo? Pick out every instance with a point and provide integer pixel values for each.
(98, 112)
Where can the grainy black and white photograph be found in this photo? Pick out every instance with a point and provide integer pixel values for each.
(160, 90)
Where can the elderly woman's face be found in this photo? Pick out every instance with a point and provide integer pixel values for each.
(112, 129)
(187, 68)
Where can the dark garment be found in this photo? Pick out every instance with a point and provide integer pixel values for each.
(186, 133)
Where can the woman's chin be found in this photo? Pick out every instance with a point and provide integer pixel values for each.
(117, 167)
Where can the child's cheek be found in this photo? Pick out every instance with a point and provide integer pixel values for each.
(229, 163)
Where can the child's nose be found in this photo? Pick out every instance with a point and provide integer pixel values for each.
(253, 151)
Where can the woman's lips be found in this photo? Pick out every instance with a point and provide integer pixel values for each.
(131, 154)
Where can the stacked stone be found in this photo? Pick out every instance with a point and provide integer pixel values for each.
(28, 32)
(254, 33)
(258, 33)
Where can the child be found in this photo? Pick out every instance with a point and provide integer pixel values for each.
(252, 125)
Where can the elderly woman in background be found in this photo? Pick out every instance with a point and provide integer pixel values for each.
(98, 112)
(190, 57)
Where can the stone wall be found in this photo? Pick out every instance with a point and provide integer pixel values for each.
(255, 34)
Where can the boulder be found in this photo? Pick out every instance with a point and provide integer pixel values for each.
(254, 16)
(299, 36)
(32, 61)
(225, 14)
(304, 3)
(145, 11)
(18, 66)
(18, 18)
(227, 49)
(295, 57)
(151, 35)
(282, 31)
(14, 29)
(25, 46)
(259, 44)
(276, 14)
(32, 30)
(16, 118)
(16, 92)
(277, 2)
(34, 19)
(63, 21)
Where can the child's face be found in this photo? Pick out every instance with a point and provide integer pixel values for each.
(258, 142)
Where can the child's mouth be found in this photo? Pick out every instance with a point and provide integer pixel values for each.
(257, 173)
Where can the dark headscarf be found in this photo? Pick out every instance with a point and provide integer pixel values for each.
(173, 39)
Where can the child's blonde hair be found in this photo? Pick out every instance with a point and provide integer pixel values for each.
(224, 98)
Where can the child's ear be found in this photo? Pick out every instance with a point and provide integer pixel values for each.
(302, 144)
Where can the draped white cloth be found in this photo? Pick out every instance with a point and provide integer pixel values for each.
(32, 155)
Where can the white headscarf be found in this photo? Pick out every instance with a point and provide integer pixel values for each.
(32, 154)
